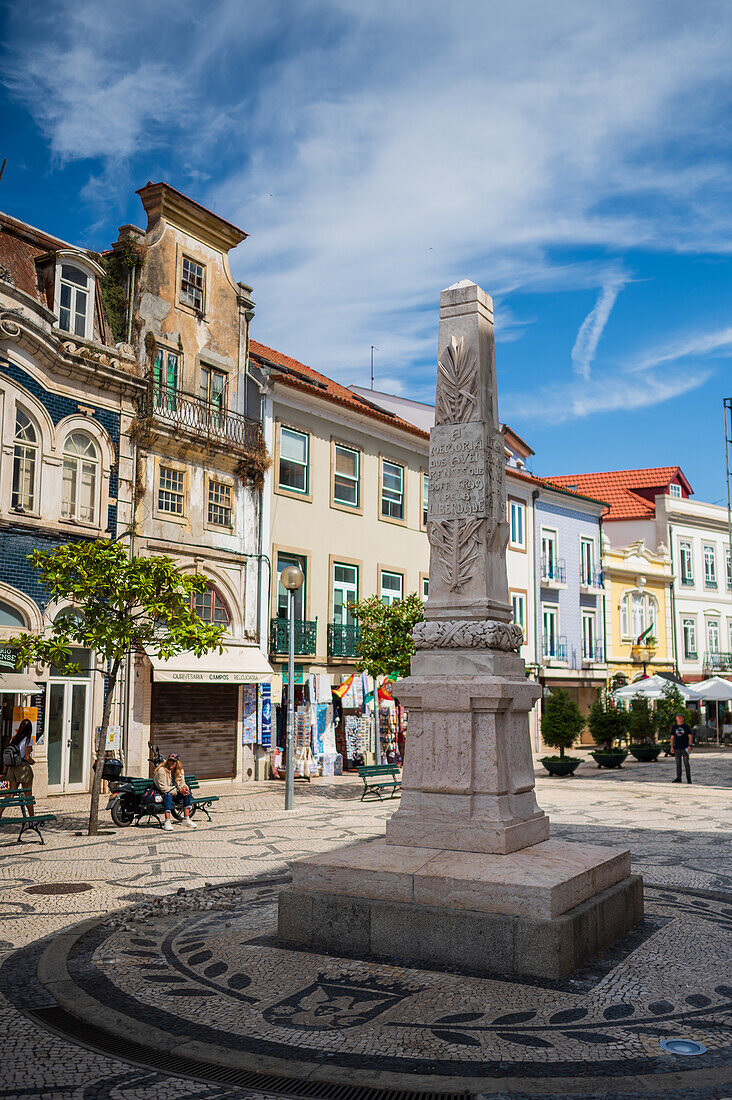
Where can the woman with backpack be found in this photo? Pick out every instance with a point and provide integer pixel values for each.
(18, 760)
(170, 780)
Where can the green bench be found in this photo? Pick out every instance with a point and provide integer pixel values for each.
(203, 802)
(23, 800)
(378, 778)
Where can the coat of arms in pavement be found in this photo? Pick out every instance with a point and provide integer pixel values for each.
(335, 1004)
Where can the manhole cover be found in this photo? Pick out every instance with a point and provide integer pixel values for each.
(682, 1046)
(59, 888)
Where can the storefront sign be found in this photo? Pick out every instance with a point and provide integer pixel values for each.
(164, 675)
(20, 714)
(249, 715)
(265, 697)
(39, 702)
(7, 659)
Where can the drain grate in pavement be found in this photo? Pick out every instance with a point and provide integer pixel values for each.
(59, 888)
(80, 1031)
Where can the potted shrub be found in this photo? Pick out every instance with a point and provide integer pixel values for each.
(561, 726)
(642, 729)
(607, 724)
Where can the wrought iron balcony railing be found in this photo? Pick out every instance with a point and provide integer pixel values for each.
(592, 578)
(718, 662)
(555, 649)
(593, 653)
(343, 641)
(205, 419)
(306, 637)
(553, 572)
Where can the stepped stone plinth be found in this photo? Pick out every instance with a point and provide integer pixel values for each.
(467, 874)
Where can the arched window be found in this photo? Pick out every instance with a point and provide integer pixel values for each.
(80, 478)
(10, 616)
(211, 606)
(25, 463)
(638, 612)
(73, 300)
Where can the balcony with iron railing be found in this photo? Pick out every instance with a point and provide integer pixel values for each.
(591, 579)
(553, 572)
(176, 411)
(593, 654)
(555, 649)
(343, 641)
(306, 637)
(717, 662)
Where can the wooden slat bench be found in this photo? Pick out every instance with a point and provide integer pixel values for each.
(203, 802)
(379, 777)
(23, 800)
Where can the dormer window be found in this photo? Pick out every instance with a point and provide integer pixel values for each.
(75, 284)
(674, 489)
(192, 284)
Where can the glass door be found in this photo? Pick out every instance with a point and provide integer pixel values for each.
(68, 736)
(345, 593)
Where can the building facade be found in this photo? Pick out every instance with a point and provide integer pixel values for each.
(639, 587)
(68, 394)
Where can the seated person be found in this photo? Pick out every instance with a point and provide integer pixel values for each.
(170, 780)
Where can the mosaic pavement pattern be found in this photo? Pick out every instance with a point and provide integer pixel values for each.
(200, 975)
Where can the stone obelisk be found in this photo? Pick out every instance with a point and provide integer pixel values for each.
(466, 875)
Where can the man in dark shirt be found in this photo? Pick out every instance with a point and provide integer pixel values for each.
(681, 744)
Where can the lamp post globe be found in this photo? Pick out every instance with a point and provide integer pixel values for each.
(292, 578)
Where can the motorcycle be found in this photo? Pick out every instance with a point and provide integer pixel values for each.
(129, 798)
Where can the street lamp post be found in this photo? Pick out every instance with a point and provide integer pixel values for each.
(292, 579)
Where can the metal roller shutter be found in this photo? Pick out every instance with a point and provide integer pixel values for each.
(198, 721)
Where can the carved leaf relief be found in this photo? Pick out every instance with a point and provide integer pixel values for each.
(457, 373)
(456, 544)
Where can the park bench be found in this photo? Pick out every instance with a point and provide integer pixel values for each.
(378, 778)
(155, 809)
(22, 800)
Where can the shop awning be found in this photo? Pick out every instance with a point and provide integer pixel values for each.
(17, 683)
(237, 665)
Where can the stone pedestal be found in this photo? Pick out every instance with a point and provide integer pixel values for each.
(467, 875)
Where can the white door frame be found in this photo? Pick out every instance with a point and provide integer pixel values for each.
(68, 683)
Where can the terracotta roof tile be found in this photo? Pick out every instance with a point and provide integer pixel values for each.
(300, 376)
(629, 493)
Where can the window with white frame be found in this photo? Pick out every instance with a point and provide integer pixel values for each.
(518, 608)
(294, 460)
(638, 612)
(589, 636)
(686, 562)
(346, 476)
(550, 630)
(674, 489)
(729, 635)
(425, 587)
(75, 294)
(220, 503)
(345, 593)
(549, 571)
(80, 476)
(728, 560)
(25, 463)
(710, 567)
(712, 635)
(425, 497)
(171, 491)
(688, 628)
(192, 284)
(392, 587)
(517, 524)
(392, 490)
(587, 561)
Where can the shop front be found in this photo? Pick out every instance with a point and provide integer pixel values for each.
(20, 697)
(200, 708)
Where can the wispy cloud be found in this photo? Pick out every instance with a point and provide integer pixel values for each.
(591, 329)
(695, 345)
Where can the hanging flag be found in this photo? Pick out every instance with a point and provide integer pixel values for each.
(385, 691)
(646, 634)
(341, 690)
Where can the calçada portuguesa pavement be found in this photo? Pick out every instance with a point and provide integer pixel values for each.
(115, 985)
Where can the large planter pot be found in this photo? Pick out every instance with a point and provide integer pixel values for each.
(556, 765)
(646, 754)
(609, 759)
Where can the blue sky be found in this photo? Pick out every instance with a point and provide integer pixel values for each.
(573, 158)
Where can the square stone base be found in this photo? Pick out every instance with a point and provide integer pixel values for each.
(472, 941)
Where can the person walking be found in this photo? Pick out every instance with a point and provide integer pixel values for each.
(18, 761)
(681, 738)
(170, 780)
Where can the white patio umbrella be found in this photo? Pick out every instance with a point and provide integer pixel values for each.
(652, 687)
(714, 690)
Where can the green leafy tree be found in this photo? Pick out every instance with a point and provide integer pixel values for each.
(607, 724)
(641, 721)
(120, 605)
(561, 721)
(385, 634)
(668, 706)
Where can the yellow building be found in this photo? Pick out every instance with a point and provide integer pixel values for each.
(638, 584)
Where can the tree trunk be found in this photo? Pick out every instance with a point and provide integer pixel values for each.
(101, 742)
(561, 752)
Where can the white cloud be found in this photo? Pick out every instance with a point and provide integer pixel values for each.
(593, 326)
(686, 346)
